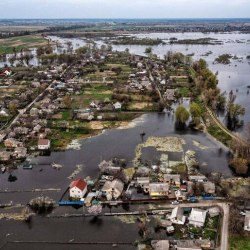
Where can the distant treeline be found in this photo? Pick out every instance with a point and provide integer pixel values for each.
(202, 41)
(136, 41)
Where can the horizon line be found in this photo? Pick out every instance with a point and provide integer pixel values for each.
(120, 18)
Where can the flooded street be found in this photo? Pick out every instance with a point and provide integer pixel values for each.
(103, 229)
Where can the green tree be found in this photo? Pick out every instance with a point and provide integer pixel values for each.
(221, 102)
(148, 50)
(82, 50)
(181, 116)
(234, 111)
(195, 111)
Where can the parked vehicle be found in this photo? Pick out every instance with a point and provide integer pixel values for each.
(175, 202)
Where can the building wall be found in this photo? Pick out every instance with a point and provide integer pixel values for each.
(43, 147)
(77, 193)
(196, 224)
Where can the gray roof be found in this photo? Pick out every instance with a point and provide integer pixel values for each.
(158, 187)
(160, 245)
(198, 215)
(115, 184)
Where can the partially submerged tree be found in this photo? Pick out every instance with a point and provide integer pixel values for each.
(42, 204)
(95, 209)
(181, 116)
(148, 50)
(195, 111)
(234, 111)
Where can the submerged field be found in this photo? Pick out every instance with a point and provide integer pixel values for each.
(22, 42)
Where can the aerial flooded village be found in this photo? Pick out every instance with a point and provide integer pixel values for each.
(124, 134)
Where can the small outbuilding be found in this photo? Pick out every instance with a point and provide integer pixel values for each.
(117, 106)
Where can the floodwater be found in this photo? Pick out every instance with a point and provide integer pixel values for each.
(104, 229)
(61, 47)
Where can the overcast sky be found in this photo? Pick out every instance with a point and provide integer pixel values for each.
(124, 8)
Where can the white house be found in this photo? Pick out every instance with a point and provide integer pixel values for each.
(197, 217)
(3, 113)
(247, 221)
(93, 104)
(78, 189)
(117, 106)
(43, 144)
(177, 216)
(113, 189)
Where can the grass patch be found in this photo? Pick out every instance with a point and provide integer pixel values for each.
(209, 234)
(61, 138)
(239, 242)
(183, 91)
(220, 135)
(210, 231)
(66, 115)
(179, 169)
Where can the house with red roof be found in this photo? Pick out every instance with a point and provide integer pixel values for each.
(78, 189)
(43, 144)
(5, 72)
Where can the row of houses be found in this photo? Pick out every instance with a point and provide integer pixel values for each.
(173, 185)
(139, 80)
(15, 150)
(181, 244)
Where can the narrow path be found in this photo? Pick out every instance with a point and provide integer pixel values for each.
(223, 128)
(154, 82)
